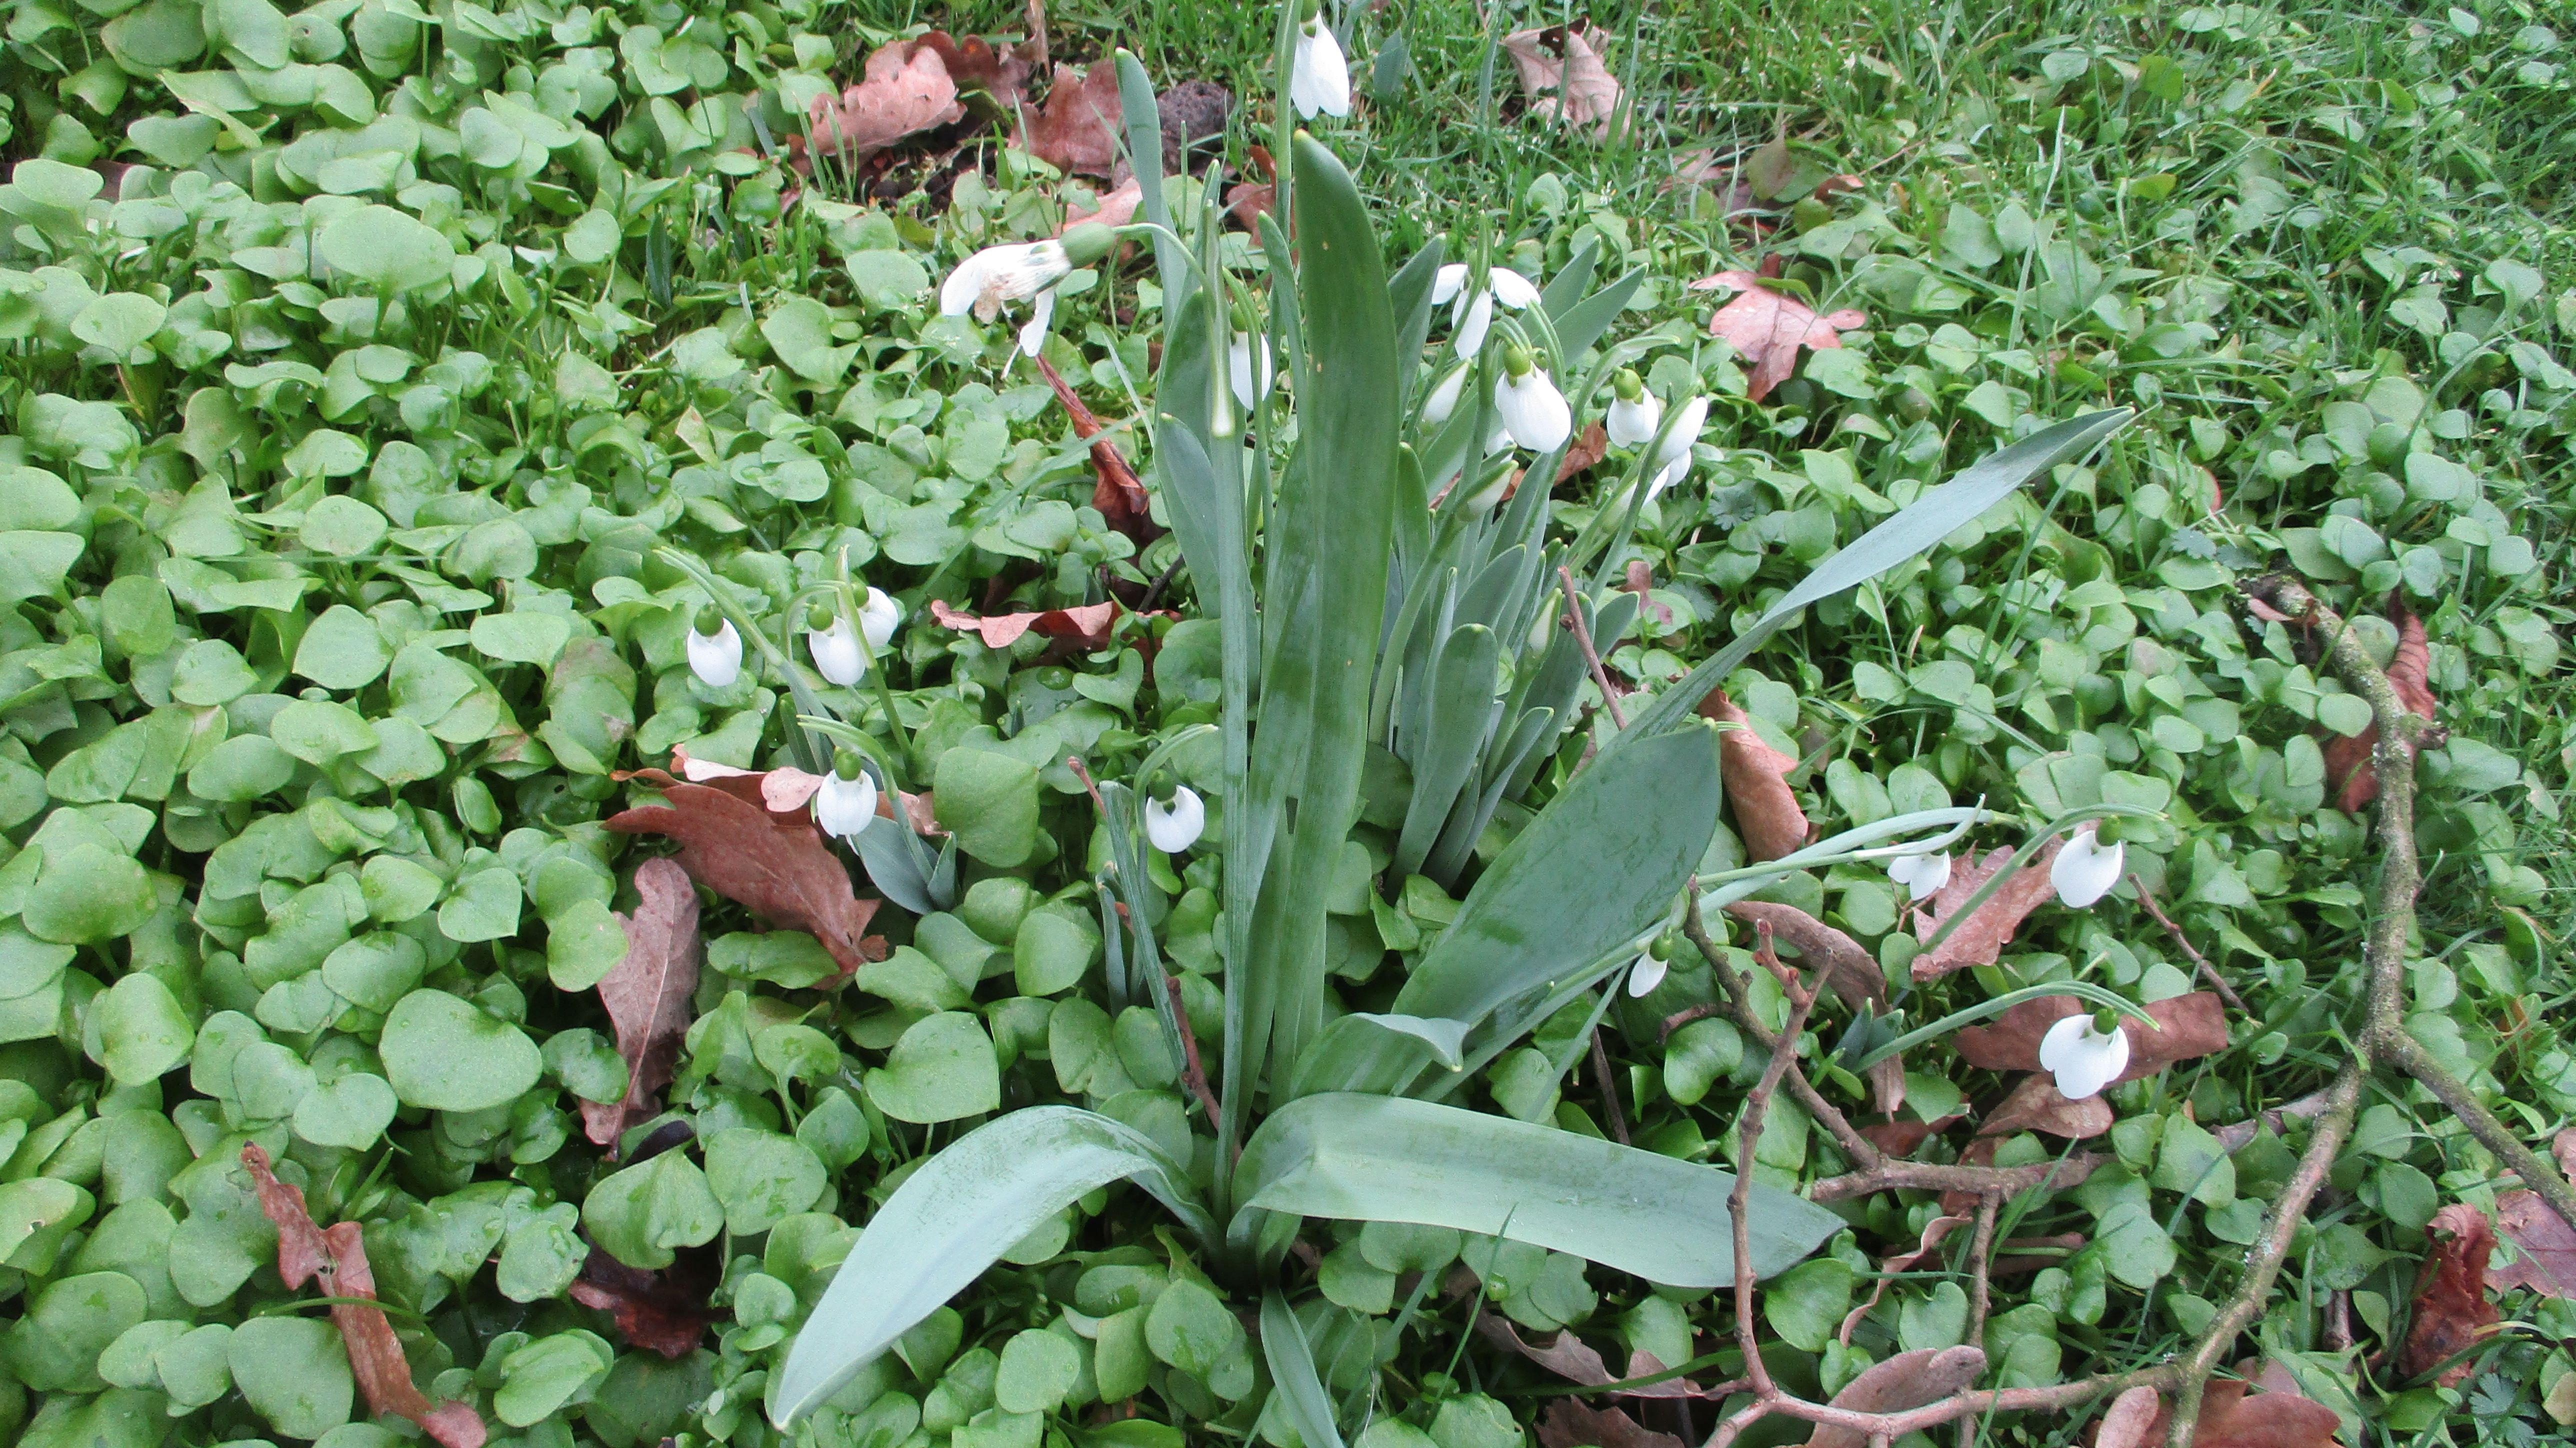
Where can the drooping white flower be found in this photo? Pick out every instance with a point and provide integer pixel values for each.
(1175, 824)
(1634, 412)
(2085, 870)
(1033, 332)
(1247, 360)
(1644, 976)
(1921, 875)
(1470, 318)
(1319, 78)
(845, 806)
(1022, 272)
(2083, 1055)
(1532, 410)
(715, 657)
(837, 656)
(1673, 459)
(878, 619)
(1445, 394)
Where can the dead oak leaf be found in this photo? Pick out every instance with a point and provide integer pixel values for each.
(2351, 761)
(338, 1257)
(1767, 328)
(1589, 447)
(2232, 1415)
(665, 1311)
(1571, 1358)
(1572, 1423)
(1907, 1380)
(1114, 208)
(782, 872)
(907, 89)
(2544, 1245)
(1565, 77)
(1085, 627)
(1767, 813)
(2037, 1105)
(975, 64)
(1077, 131)
(2187, 1027)
(1117, 492)
(2452, 1311)
(647, 996)
(1981, 937)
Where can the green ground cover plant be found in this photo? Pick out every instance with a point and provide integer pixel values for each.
(1855, 730)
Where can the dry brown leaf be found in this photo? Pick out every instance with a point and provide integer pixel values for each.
(2232, 1415)
(1981, 937)
(1077, 132)
(665, 1311)
(1901, 1139)
(1570, 1358)
(339, 1258)
(2544, 1245)
(2452, 1312)
(1117, 492)
(2350, 769)
(647, 996)
(1769, 327)
(1572, 1423)
(1907, 1380)
(1589, 447)
(2131, 1417)
(2037, 1105)
(2562, 1149)
(973, 64)
(2193, 1025)
(907, 90)
(1933, 1232)
(1086, 627)
(1767, 813)
(1565, 77)
(1117, 208)
(777, 867)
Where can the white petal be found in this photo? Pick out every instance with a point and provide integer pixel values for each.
(1687, 425)
(1444, 395)
(1647, 974)
(2084, 871)
(1239, 359)
(2083, 1059)
(716, 658)
(958, 293)
(1446, 282)
(1631, 423)
(1480, 319)
(1511, 288)
(1533, 411)
(836, 653)
(1033, 333)
(1176, 826)
(1319, 78)
(1921, 875)
(844, 807)
(1667, 475)
(878, 619)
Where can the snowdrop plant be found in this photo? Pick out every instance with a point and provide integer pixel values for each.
(1320, 81)
(1022, 273)
(2085, 869)
(715, 648)
(1922, 875)
(2085, 1053)
(846, 802)
(1175, 823)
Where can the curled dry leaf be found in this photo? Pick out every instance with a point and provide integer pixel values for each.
(665, 1311)
(1589, 447)
(339, 1258)
(2350, 766)
(776, 866)
(906, 90)
(2193, 1025)
(1565, 77)
(1981, 937)
(1907, 1380)
(1086, 627)
(1116, 208)
(1769, 327)
(2452, 1312)
(1573, 1423)
(1767, 812)
(647, 996)
(1570, 1358)
(1118, 493)
(2131, 1416)
(1933, 1232)
(1902, 1138)
(1077, 132)
(2037, 1105)
(975, 64)
(2232, 1415)
(2544, 1245)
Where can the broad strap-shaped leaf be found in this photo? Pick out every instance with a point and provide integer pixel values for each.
(955, 1216)
(1909, 533)
(1378, 1053)
(1292, 1367)
(1386, 1159)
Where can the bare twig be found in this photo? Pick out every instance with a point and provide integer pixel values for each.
(1583, 637)
(1981, 1257)
(1609, 1089)
(2199, 961)
(1192, 1071)
(1748, 1138)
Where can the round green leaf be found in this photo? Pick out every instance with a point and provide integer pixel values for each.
(485, 906)
(522, 638)
(761, 1177)
(342, 650)
(351, 1112)
(386, 249)
(342, 526)
(88, 896)
(293, 1372)
(941, 1068)
(442, 1053)
(538, 1379)
(56, 1344)
(242, 768)
(990, 802)
(139, 1030)
(640, 1214)
(1038, 1371)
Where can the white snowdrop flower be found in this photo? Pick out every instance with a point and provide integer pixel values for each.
(1532, 410)
(878, 619)
(1033, 332)
(2085, 870)
(1175, 824)
(1645, 975)
(1634, 412)
(1921, 875)
(1673, 459)
(2084, 1054)
(1471, 318)
(1479, 321)
(1024, 271)
(847, 800)
(1445, 394)
(1319, 78)
(1247, 360)
(715, 654)
(835, 646)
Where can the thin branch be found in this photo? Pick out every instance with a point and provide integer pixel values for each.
(1981, 1256)
(1192, 1072)
(1748, 1139)
(1609, 1089)
(2199, 961)
(1583, 637)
